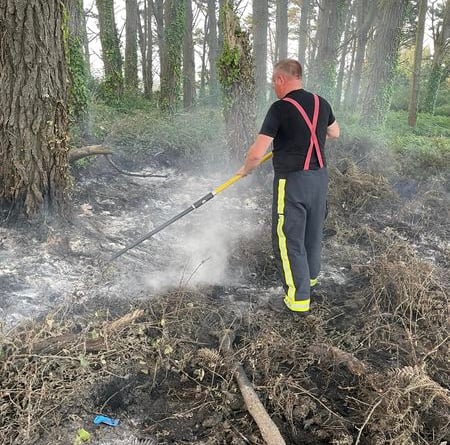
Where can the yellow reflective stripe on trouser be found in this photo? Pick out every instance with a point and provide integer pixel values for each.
(313, 282)
(282, 242)
(297, 306)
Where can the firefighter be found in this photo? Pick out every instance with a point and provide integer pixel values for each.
(298, 124)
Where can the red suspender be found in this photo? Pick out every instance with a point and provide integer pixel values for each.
(312, 128)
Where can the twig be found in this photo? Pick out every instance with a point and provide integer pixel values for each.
(367, 421)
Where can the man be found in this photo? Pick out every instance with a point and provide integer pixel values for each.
(298, 124)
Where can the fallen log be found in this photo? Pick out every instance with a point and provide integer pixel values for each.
(267, 427)
(89, 150)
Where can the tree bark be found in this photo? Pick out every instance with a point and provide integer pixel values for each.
(282, 30)
(158, 12)
(344, 47)
(383, 60)
(146, 47)
(438, 68)
(303, 33)
(364, 21)
(213, 48)
(131, 27)
(78, 91)
(33, 97)
(188, 58)
(112, 87)
(329, 29)
(87, 55)
(412, 112)
(172, 51)
(236, 71)
(260, 25)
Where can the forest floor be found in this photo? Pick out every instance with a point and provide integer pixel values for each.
(138, 339)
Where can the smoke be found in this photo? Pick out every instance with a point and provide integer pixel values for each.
(199, 246)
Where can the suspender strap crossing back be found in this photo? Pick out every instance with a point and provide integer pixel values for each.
(314, 143)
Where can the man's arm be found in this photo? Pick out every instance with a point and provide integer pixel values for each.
(255, 154)
(333, 130)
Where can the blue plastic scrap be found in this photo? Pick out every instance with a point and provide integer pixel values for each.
(106, 420)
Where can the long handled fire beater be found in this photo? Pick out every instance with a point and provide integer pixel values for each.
(191, 208)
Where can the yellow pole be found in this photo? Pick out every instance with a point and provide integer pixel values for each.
(236, 178)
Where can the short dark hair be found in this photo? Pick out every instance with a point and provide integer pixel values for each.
(290, 66)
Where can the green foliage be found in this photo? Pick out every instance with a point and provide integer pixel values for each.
(79, 95)
(420, 151)
(141, 132)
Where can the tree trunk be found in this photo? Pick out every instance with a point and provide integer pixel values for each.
(188, 58)
(343, 55)
(236, 71)
(33, 94)
(172, 51)
(260, 25)
(158, 12)
(212, 47)
(303, 32)
(282, 30)
(383, 61)
(348, 86)
(112, 87)
(364, 21)
(203, 57)
(329, 29)
(78, 91)
(146, 47)
(87, 56)
(412, 113)
(131, 26)
(438, 68)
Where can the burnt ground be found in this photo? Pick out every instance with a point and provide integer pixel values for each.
(139, 339)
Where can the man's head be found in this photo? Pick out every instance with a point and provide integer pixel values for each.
(286, 77)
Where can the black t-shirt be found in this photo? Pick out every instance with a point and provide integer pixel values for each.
(285, 124)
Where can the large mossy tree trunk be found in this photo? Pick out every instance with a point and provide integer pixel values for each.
(172, 51)
(78, 66)
(383, 61)
(237, 77)
(260, 26)
(33, 97)
(112, 87)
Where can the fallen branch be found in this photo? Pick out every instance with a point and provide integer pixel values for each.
(269, 431)
(89, 150)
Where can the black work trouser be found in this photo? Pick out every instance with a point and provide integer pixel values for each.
(298, 214)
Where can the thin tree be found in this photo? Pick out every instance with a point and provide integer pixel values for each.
(131, 28)
(145, 33)
(172, 54)
(188, 58)
(412, 113)
(212, 48)
(303, 32)
(329, 30)
(440, 65)
(260, 25)
(157, 7)
(282, 30)
(365, 16)
(383, 61)
(112, 87)
(33, 115)
(343, 56)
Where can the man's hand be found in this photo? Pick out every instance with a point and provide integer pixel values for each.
(255, 154)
